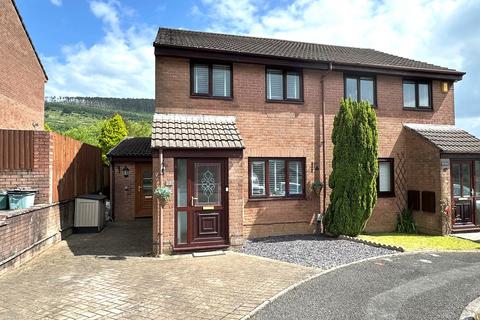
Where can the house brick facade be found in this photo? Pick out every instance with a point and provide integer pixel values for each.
(23, 78)
(294, 129)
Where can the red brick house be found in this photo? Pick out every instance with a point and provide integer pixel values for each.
(23, 77)
(243, 129)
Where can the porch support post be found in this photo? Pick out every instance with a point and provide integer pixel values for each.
(157, 208)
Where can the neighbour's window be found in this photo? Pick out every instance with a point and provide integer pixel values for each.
(211, 80)
(284, 85)
(360, 88)
(417, 94)
(385, 180)
(277, 178)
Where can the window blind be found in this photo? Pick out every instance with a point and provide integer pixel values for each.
(221, 80)
(274, 84)
(276, 169)
(258, 178)
(293, 85)
(295, 177)
(200, 78)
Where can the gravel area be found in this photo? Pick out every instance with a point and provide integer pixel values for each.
(312, 251)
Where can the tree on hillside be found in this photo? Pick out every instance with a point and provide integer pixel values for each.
(355, 168)
(113, 131)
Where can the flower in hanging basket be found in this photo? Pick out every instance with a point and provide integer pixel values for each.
(163, 194)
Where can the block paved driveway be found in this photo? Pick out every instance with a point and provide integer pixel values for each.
(108, 276)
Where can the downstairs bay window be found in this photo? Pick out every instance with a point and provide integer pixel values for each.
(276, 178)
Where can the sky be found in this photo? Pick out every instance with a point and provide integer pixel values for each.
(104, 47)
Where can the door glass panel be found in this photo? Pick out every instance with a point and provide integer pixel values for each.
(466, 179)
(477, 179)
(182, 227)
(456, 180)
(207, 189)
(182, 183)
(147, 183)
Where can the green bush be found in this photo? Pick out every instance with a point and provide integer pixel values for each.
(355, 169)
(406, 222)
(113, 131)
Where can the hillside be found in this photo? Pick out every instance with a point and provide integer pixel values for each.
(81, 117)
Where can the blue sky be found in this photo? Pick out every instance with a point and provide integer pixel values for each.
(104, 47)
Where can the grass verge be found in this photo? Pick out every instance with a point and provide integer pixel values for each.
(417, 242)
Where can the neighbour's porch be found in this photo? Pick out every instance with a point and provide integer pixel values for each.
(444, 176)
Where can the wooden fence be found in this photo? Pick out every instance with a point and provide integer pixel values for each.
(16, 150)
(77, 168)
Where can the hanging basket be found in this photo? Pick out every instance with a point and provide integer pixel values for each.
(163, 194)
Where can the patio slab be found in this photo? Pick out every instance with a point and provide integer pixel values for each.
(108, 276)
(473, 236)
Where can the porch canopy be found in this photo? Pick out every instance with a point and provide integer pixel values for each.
(447, 138)
(188, 131)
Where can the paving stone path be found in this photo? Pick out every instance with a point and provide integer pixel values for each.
(104, 276)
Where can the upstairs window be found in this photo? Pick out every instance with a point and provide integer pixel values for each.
(360, 88)
(284, 85)
(417, 95)
(385, 180)
(211, 80)
(277, 178)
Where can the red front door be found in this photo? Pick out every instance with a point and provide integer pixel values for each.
(201, 217)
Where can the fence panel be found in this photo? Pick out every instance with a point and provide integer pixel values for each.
(16, 150)
(77, 168)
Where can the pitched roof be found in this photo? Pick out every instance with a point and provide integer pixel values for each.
(29, 39)
(447, 138)
(290, 50)
(132, 147)
(186, 131)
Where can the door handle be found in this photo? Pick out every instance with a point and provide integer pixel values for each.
(139, 188)
(192, 201)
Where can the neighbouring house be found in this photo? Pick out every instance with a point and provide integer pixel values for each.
(58, 168)
(23, 77)
(243, 128)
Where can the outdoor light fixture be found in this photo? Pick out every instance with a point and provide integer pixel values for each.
(444, 86)
(126, 171)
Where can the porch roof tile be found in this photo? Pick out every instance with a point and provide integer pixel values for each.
(447, 138)
(187, 131)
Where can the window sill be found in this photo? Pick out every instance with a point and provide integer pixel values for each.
(285, 101)
(418, 109)
(211, 98)
(386, 195)
(276, 198)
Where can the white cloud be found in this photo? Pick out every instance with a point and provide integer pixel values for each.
(57, 3)
(120, 65)
(443, 32)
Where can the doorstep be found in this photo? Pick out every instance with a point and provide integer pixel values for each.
(473, 236)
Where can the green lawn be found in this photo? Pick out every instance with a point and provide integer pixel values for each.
(414, 242)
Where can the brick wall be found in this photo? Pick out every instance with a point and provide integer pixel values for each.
(25, 233)
(294, 130)
(124, 191)
(37, 178)
(22, 81)
(424, 174)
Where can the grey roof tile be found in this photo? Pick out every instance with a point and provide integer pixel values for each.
(187, 131)
(132, 147)
(447, 138)
(264, 47)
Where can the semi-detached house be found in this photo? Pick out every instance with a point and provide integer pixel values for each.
(243, 128)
